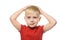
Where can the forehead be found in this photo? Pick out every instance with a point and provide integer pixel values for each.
(32, 13)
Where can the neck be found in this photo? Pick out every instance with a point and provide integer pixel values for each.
(31, 27)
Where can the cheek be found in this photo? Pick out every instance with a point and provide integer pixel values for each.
(36, 20)
(27, 20)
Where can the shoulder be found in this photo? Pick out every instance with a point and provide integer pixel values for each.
(22, 27)
(40, 27)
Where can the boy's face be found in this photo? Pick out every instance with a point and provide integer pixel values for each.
(32, 19)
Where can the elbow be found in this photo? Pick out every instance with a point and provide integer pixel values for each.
(54, 22)
(12, 18)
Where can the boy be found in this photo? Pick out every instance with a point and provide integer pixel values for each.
(32, 17)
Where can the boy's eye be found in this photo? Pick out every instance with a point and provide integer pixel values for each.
(28, 17)
(34, 17)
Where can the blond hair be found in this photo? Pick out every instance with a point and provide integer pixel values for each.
(33, 9)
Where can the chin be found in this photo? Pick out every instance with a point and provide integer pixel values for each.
(32, 26)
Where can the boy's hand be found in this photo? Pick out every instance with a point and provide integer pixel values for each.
(41, 11)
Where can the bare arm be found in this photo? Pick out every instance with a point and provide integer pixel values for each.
(51, 21)
(13, 18)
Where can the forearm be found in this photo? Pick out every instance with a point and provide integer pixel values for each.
(16, 14)
(48, 17)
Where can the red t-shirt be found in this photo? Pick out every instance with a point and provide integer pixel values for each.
(31, 33)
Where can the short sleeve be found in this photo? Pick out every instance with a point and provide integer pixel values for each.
(22, 27)
(41, 28)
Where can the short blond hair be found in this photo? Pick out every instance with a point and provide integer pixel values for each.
(32, 9)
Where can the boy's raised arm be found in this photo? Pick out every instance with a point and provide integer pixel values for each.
(13, 18)
(51, 21)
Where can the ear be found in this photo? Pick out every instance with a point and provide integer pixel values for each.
(39, 18)
(24, 17)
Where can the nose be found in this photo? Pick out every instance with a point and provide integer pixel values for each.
(31, 20)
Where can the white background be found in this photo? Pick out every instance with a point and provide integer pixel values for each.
(8, 7)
